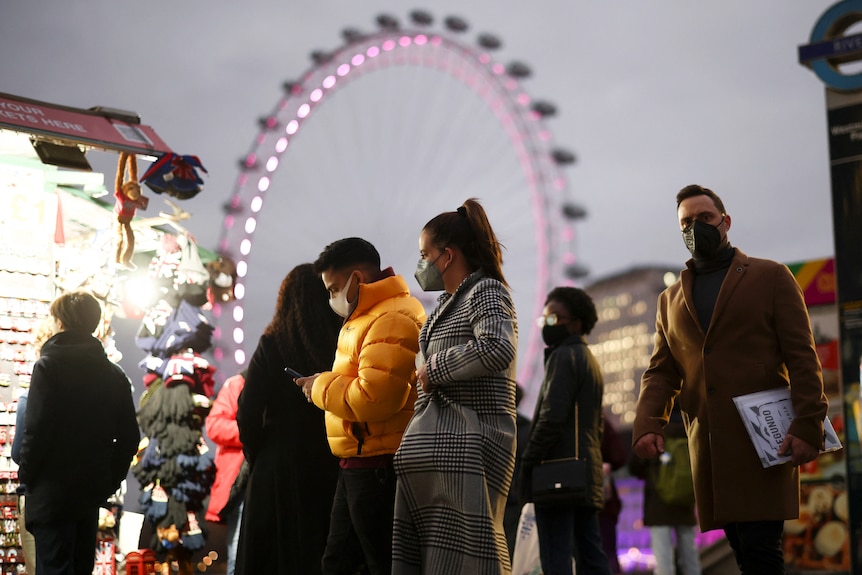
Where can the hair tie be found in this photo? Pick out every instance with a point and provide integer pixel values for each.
(462, 210)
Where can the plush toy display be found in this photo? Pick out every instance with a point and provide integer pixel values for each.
(170, 540)
(129, 198)
(107, 522)
(222, 280)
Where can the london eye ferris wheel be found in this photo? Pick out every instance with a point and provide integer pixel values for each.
(374, 139)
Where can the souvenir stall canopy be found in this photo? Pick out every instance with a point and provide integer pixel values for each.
(62, 228)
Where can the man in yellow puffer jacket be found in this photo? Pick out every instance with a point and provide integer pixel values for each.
(368, 398)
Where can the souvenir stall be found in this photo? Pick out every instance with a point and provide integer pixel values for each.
(819, 540)
(64, 226)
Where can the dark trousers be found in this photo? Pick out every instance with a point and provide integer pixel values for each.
(360, 527)
(608, 530)
(67, 548)
(566, 532)
(757, 546)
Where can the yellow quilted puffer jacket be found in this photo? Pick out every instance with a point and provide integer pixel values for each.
(369, 394)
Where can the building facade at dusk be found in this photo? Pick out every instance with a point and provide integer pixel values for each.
(622, 340)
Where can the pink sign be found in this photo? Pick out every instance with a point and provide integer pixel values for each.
(78, 126)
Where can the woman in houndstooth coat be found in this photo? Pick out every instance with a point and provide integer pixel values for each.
(456, 458)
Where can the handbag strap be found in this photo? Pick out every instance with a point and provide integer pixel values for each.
(577, 443)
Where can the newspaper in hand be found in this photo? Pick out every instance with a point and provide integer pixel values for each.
(767, 416)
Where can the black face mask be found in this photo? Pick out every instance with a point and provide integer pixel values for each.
(554, 334)
(702, 240)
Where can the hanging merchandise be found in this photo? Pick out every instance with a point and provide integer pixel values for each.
(176, 323)
(175, 176)
(186, 327)
(127, 192)
(178, 270)
(174, 465)
(193, 370)
(175, 468)
(191, 277)
(222, 281)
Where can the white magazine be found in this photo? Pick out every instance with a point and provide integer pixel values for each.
(767, 416)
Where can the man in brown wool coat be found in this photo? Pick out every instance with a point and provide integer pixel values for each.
(732, 325)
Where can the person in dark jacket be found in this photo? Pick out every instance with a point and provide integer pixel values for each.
(570, 397)
(666, 521)
(285, 519)
(80, 434)
(44, 330)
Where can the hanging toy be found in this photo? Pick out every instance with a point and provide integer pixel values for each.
(129, 199)
(175, 176)
(222, 280)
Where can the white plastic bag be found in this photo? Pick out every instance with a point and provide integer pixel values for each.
(525, 559)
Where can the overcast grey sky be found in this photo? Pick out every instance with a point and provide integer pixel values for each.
(652, 96)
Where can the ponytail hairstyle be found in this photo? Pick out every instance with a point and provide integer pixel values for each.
(468, 228)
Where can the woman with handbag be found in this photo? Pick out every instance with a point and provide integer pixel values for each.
(565, 447)
(456, 457)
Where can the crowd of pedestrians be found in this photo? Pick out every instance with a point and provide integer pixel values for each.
(366, 438)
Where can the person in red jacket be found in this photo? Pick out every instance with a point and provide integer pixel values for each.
(223, 430)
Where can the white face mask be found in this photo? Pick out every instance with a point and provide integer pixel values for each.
(339, 303)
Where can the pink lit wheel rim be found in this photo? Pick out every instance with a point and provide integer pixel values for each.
(375, 139)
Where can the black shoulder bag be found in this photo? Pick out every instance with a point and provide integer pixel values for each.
(562, 481)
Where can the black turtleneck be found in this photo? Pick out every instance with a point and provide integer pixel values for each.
(709, 275)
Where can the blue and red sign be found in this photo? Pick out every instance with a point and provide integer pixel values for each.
(828, 45)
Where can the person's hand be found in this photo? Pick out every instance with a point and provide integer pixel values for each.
(649, 446)
(306, 383)
(800, 452)
(422, 378)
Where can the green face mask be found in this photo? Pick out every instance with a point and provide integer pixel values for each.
(428, 276)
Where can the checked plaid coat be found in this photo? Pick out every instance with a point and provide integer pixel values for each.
(456, 458)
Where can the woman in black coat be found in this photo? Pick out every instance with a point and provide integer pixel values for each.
(80, 433)
(568, 422)
(288, 499)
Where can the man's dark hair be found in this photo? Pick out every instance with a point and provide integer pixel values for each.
(349, 252)
(579, 305)
(695, 190)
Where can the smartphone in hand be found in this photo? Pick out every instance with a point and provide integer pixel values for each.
(293, 373)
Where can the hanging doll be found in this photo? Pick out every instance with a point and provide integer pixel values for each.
(129, 198)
